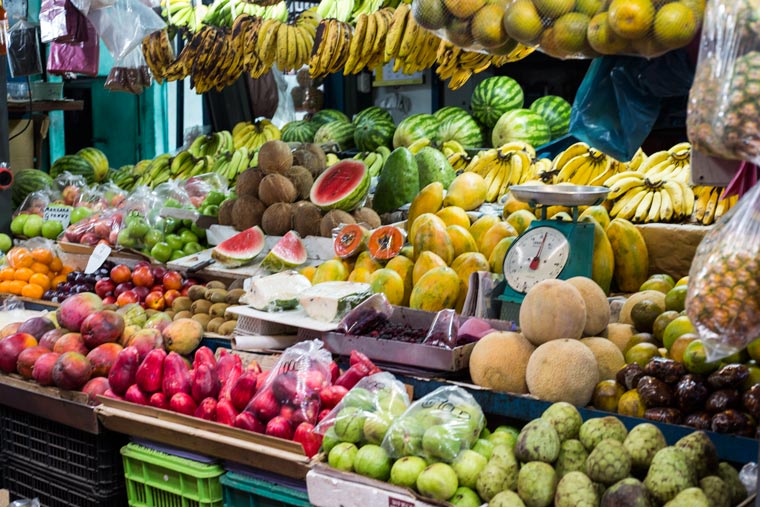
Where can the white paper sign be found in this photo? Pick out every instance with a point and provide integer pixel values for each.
(97, 258)
(59, 213)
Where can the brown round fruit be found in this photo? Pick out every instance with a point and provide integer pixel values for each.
(333, 219)
(277, 219)
(301, 179)
(247, 212)
(606, 396)
(631, 19)
(306, 218)
(675, 25)
(367, 216)
(275, 157)
(248, 182)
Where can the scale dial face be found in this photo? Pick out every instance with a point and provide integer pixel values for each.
(539, 254)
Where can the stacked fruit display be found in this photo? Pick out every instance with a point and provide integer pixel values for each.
(208, 305)
(31, 273)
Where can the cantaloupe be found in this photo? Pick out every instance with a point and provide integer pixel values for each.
(562, 370)
(620, 334)
(498, 361)
(552, 309)
(597, 306)
(609, 358)
(653, 295)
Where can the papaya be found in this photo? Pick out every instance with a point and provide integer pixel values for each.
(468, 191)
(481, 225)
(630, 254)
(461, 240)
(424, 263)
(520, 220)
(385, 242)
(511, 204)
(360, 275)
(429, 200)
(438, 289)
(431, 236)
(407, 251)
(499, 252)
(598, 213)
(420, 220)
(464, 266)
(333, 270)
(454, 215)
(404, 266)
(493, 235)
(389, 283)
(308, 272)
(603, 263)
(553, 210)
(366, 261)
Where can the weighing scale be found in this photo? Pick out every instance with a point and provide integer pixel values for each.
(548, 248)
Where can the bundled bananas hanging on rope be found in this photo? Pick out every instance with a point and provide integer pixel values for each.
(367, 47)
(582, 165)
(510, 164)
(410, 46)
(710, 204)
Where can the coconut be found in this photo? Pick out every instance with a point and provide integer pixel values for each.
(277, 188)
(225, 212)
(302, 179)
(333, 219)
(277, 219)
(275, 157)
(248, 182)
(306, 218)
(247, 212)
(367, 216)
(304, 157)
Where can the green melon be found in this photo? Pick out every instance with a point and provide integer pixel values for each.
(328, 115)
(339, 131)
(556, 111)
(495, 96)
(73, 164)
(26, 181)
(97, 160)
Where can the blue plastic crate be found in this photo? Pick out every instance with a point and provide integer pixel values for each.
(241, 490)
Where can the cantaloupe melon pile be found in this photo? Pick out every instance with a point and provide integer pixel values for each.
(560, 353)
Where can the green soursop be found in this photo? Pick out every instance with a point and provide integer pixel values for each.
(536, 484)
(506, 499)
(669, 474)
(642, 443)
(629, 492)
(576, 490)
(716, 490)
(565, 418)
(608, 462)
(500, 473)
(700, 453)
(595, 430)
(538, 441)
(572, 458)
(690, 497)
(731, 477)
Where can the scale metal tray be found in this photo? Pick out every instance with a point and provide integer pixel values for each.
(560, 195)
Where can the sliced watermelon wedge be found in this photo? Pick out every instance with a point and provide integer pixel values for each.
(240, 249)
(341, 186)
(287, 253)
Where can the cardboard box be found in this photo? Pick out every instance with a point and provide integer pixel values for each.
(21, 147)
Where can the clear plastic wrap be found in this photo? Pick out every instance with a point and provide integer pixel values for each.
(129, 74)
(24, 49)
(437, 427)
(366, 412)
(444, 331)
(124, 24)
(100, 197)
(723, 299)
(723, 108)
(53, 20)
(140, 219)
(96, 228)
(370, 313)
(206, 189)
(70, 187)
(35, 203)
(77, 57)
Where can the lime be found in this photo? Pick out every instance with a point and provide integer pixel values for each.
(641, 338)
(5, 242)
(630, 404)
(17, 224)
(754, 349)
(678, 326)
(641, 353)
(663, 276)
(51, 229)
(661, 322)
(33, 226)
(682, 281)
(695, 358)
(644, 313)
(675, 299)
(656, 284)
(161, 251)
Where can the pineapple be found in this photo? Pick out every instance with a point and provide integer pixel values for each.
(741, 123)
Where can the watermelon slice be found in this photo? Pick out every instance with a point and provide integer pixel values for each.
(288, 253)
(342, 186)
(240, 249)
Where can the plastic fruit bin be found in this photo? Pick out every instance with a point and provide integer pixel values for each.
(242, 490)
(157, 479)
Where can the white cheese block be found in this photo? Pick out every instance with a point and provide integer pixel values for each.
(329, 301)
(276, 292)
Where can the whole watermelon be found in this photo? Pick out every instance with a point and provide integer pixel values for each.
(298, 131)
(556, 111)
(328, 115)
(339, 131)
(521, 125)
(373, 127)
(415, 127)
(26, 181)
(73, 164)
(97, 160)
(493, 97)
(458, 125)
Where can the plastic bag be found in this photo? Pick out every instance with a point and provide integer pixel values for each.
(619, 100)
(368, 315)
(130, 74)
(96, 228)
(100, 197)
(436, 427)
(290, 394)
(24, 49)
(444, 330)
(76, 58)
(723, 104)
(723, 299)
(124, 24)
(70, 186)
(35, 203)
(206, 189)
(366, 412)
(53, 20)
(141, 210)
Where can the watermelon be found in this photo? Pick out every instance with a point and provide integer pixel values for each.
(495, 96)
(287, 253)
(458, 125)
(415, 127)
(97, 160)
(556, 111)
(74, 164)
(298, 131)
(341, 186)
(521, 125)
(240, 249)
(328, 115)
(339, 131)
(26, 181)
(373, 113)
(373, 127)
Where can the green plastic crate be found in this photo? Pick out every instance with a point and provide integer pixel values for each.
(246, 491)
(157, 479)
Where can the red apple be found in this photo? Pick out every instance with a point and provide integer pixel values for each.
(155, 301)
(127, 297)
(141, 264)
(89, 238)
(105, 287)
(121, 273)
(158, 272)
(158, 288)
(143, 276)
(109, 300)
(172, 280)
(141, 291)
(170, 295)
(102, 228)
(122, 287)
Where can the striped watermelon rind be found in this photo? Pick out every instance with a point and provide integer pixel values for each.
(493, 97)
(328, 115)
(73, 164)
(26, 181)
(97, 160)
(458, 125)
(371, 114)
(521, 125)
(341, 186)
(298, 131)
(415, 127)
(374, 127)
(556, 111)
(339, 131)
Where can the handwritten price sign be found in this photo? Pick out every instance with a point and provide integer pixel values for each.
(59, 213)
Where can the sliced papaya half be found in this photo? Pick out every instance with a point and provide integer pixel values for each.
(351, 240)
(386, 242)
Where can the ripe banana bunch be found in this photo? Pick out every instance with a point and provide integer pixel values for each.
(159, 55)
(412, 47)
(211, 144)
(253, 135)
(501, 168)
(710, 204)
(641, 200)
(543, 172)
(374, 161)
(365, 7)
(638, 158)
(673, 164)
(330, 51)
(211, 59)
(459, 65)
(230, 164)
(245, 35)
(459, 161)
(156, 171)
(367, 47)
(179, 13)
(451, 147)
(338, 9)
(580, 164)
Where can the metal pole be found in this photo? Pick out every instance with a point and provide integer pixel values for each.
(5, 152)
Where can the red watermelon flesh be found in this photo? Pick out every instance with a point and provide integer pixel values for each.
(240, 249)
(341, 186)
(289, 252)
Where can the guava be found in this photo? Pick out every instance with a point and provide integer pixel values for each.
(465, 497)
(503, 438)
(329, 440)
(342, 456)
(405, 471)
(360, 398)
(404, 438)
(468, 466)
(483, 447)
(428, 417)
(373, 461)
(376, 426)
(485, 433)
(441, 443)
(438, 481)
(391, 401)
(349, 424)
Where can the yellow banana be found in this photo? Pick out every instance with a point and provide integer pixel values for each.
(357, 44)
(656, 209)
(396, 32)
(666, 206)
(709, 217)
(622, 186)
(653, 160)
(570, 153)
(569, 170)
(629, 209)
(643, 208)
(621, 175)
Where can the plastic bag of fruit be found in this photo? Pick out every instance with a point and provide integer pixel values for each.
(723, 106)
(100, 197)
(565, 28)
(206, 190)
(139, 210)
(35, 203)
(70, 186)
(436, 427)
(723, 299)
(363, 414)
(98, 227)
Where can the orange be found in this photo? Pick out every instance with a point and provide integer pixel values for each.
(488, 30)
(39, 267)
(23, 274)
(631, 19)
(32, 291)
(56, 280)
(55, 264)
(42, 255)
(5, 286)
(463, 8)
(6, 274)
(41, 280)
(20, 257)
(16, 286)
(65, 270)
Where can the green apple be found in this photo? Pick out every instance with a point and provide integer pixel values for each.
(33, 226)
(80, 213)
(152, 238)
(199, 231)
(161, 251)
(125, 239)
(342, 456)
(17, 224)
(174, 241)
(51, 229)
(137, 227)
(192, 248)
(5, 242)
(177, 254)
(188, 236)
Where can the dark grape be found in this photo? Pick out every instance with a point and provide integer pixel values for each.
(71, 277)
